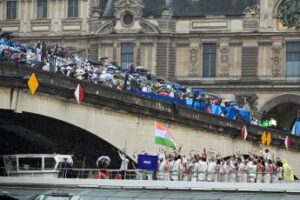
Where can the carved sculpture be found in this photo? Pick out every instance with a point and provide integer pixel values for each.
(251, 99)
(252, 10)
(276, 64)
(135, 7)
(289, 13)
(193, 61)
(224, 69)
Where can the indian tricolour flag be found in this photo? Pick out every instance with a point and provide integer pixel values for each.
(163, 137)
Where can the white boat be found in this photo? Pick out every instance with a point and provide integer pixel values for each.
(35, 165)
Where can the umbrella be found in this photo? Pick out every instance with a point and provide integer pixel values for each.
(103, 162)
(198, 91)
(106, 77)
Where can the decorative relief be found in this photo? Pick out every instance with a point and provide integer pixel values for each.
(147, 27)
(166, 11)
(105, 28)
(252, 10)
(193, 61)
(95, 11)
(276, 61)
(94, 25)
(235, 43)
(289, 13)
(134, 6)
(224, 68)
(182, 45)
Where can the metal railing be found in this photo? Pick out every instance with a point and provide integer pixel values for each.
(232, 79)
(193, 175)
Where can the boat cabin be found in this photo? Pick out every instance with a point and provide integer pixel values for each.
(36, 165)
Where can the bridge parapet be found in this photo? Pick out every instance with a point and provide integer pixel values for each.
(59, 86)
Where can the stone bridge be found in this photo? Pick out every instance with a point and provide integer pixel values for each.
(125, 121)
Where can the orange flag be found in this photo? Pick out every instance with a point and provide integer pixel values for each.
(264, 138)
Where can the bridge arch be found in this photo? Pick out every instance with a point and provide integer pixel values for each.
(31, 133)
(291, 101)
(286, 98)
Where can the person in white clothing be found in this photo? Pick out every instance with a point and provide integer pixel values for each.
(202, 169)
(124, 164)
(226, 169)
(268, 171)
(166, 167)
(232, 171)
(252, 167)
(243, 170)
(211, 169)
(176, 168)
(260, 171)
(194, 170)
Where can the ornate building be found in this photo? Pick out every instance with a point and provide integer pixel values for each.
(244, 49)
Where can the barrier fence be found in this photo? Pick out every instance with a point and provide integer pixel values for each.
(115, 174)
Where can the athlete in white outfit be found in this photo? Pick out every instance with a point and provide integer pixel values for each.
(211, 169)
(202, 169)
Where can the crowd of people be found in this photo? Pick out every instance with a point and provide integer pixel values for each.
(254, 167)
(134, 79)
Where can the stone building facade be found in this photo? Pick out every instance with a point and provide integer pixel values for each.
(226, 46)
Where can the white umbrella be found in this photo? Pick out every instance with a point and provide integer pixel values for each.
(103, 161)
(105, 77)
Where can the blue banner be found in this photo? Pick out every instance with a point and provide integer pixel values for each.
(148, 162)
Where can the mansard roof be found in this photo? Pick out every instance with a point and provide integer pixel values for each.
(192, 8)
(198, 8)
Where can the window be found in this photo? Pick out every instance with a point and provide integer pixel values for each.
(128, 19)
(72, 8)
(30, 163)
(293, 59)
(249, 62)
(209, 60)
(126, 54)
(11, 9)
(50, 163)
(10, 163)
(42, 9)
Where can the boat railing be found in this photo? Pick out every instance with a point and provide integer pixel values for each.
(136, 174)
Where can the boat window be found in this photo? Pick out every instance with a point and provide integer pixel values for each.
(30, 163)
(63, 165)
(50, 163)
(10, 163)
